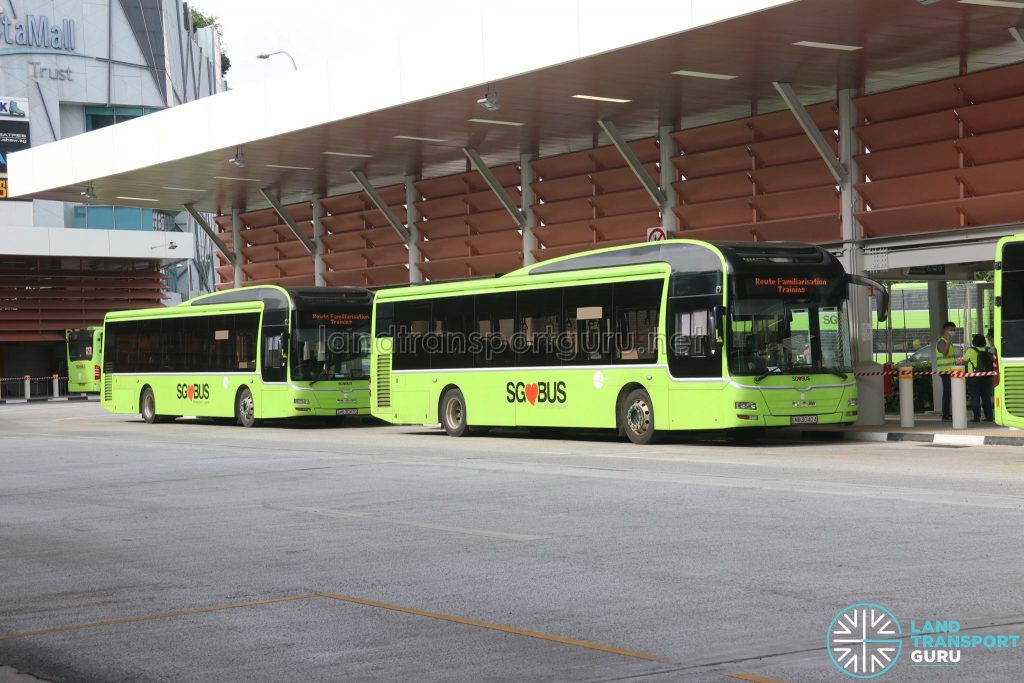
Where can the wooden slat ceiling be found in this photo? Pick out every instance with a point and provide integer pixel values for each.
(904, 42)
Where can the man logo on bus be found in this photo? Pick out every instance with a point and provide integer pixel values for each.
(194, 391)
(537, 392)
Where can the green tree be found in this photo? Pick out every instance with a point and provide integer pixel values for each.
(201, 19)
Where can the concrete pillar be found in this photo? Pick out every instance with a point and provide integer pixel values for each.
(412, 215)
(667, 147)
(870, 388)
(938, 313)
(529, 198)
(236, 246)
(318, 234)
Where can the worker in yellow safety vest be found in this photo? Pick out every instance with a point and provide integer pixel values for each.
(945, 358)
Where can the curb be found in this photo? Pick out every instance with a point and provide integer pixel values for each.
(915, 437)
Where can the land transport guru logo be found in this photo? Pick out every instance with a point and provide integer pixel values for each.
(865, 640)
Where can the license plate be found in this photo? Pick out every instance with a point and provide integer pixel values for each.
(346, 411)
(803, 420)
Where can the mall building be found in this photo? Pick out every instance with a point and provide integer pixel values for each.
(68, 67)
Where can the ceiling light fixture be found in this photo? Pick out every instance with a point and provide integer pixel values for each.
(418, 139)
(1008, 4)
(703, 74)
(88, 192)
(138, 199)
(349, 154)
(239, 158)
(829, 46)
(246, 180)
(294, 168)
(601, 99)
(490, 100)
(185, 189)
(496, 122)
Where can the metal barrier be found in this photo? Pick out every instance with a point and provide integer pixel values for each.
(27, 387)
(958, 390)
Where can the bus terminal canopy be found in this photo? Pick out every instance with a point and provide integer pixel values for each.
(306, 133)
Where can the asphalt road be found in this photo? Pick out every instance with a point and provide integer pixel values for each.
(195, 552)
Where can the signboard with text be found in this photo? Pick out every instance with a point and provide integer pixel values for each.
(14, 131)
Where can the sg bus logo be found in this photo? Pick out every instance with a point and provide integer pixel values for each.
(193, 392)
(537, 392)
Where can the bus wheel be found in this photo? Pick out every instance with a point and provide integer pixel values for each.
(638, 417)
(246, 408)
(147, 406)
(453, 413)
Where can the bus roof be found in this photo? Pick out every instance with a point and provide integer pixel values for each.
(276, 298)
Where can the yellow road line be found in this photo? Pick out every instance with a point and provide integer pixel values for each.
(494, 627)
(155, 617)
(754, 678)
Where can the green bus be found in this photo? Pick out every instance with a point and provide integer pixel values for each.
(1009, 332)
(242, 355)
(84, 360)
(675, 335)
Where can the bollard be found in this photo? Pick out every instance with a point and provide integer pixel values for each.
(958, 389)
(56, 386)
(906, 396)
(28, 387)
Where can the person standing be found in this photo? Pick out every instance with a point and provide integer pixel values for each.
(977, 359)
(945, 357)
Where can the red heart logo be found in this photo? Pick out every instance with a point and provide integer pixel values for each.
(531, 393)
(191, 391)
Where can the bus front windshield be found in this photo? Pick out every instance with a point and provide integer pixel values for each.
(330, 345)
(769, 336)
(80, 345)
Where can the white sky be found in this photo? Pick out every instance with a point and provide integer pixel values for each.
(520, 34)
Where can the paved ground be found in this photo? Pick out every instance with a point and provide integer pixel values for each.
(195, 552)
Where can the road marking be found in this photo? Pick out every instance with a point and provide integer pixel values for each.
(411, 522)
(155, 617)
(754, 678)
(611, 649)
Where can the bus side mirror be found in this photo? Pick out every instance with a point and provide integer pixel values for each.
(883, 302)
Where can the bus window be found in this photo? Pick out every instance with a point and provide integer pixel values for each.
(273, 354)
(588, 321)
(452, 319)
(538, 323)
(495, 322)
(637, 309)
(692, 352)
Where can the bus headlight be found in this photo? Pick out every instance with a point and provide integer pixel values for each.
(851, 402)
(302, 401)
(746, 405)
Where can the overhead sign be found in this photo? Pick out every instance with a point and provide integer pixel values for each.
(939, 269)
(656, 235)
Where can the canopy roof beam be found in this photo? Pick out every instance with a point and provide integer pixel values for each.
(836, 167)
(288, 220)
(660, 200)
(211, 233)
(382, 205)
(496, 188)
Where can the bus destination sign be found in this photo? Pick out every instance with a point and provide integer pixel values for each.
(769, 286)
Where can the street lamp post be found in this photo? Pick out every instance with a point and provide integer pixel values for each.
(268, 55)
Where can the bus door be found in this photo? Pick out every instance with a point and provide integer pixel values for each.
(275, 354)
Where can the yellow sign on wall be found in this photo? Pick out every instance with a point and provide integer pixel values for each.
(3, 188)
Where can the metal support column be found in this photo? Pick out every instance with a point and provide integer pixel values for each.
(318, 243)
(529, 198)
(657, 194)
(412, 215)
(496, 188)
(288, 220)
(237, 274)
(381, 205)
(669, 174)
(938, 314)
(839, 168)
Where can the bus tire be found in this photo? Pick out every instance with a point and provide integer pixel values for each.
(637, 417)
(453, 413)
(147, 406)
(245, 408)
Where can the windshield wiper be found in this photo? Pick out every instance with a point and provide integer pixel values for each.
(837, 373)
(769, 371)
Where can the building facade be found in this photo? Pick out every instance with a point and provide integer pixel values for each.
(68, 67)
